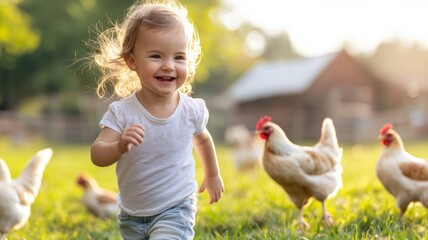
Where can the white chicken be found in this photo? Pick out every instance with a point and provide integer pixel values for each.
(98, 201)
(303, 172)
(402, 174)
(247, 148)
(16, 196)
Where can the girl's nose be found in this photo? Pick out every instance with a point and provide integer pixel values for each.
(168, 65)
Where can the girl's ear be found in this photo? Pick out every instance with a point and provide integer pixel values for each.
(130, 61)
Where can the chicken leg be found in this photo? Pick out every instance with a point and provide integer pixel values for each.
(326, 216)
(302, 223)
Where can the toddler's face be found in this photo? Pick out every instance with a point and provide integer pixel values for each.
(160, 59)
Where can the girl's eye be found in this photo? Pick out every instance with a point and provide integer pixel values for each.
(156, 56)
(180, 58)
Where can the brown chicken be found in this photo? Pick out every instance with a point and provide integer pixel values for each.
(98, 201)
(303, 172)
(17, 195)
(402, 174)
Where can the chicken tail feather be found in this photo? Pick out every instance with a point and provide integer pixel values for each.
(4, 173)
(328, 134)
(31, 177)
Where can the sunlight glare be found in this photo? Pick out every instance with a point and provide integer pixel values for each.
(319, 27)
(255, 43)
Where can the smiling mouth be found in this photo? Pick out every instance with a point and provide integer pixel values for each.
(166, 79)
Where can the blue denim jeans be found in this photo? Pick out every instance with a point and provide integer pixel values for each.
(174, 223)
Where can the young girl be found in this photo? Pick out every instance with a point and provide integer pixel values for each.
(151, 132)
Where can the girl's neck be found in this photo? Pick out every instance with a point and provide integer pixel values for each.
(159, 107)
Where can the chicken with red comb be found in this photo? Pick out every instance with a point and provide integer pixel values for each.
(304, 172)
(403, 175)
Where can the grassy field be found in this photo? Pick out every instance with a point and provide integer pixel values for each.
(253, 206)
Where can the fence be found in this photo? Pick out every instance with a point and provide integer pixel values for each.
(55, 128)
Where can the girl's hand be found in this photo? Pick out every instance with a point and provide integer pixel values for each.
(131, 136)
(215, 188)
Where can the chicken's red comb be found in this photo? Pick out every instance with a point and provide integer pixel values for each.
(386, 128)
(262, 121)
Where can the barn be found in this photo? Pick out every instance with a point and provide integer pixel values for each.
(299, 94)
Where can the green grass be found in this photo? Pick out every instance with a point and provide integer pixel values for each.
(253, 206)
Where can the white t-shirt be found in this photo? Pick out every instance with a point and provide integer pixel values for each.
(160, 172)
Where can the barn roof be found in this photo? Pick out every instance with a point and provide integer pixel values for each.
(279, 78)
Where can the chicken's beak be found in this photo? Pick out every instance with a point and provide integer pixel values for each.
(257, 132)
(380, 137)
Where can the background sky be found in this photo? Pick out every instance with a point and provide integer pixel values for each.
(316, 27)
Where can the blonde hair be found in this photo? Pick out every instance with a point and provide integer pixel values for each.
(115, 44)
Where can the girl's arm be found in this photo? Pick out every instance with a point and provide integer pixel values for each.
(204, 147)
(111, 145)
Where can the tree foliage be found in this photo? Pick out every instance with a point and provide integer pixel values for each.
(16, 35)
(63, 27)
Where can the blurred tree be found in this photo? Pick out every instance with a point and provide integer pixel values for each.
(17, 37)
(399, 58)
(63, 26)
(232, 56)
(279, 47)
(224, 55)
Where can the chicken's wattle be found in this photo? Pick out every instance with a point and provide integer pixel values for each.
(264, 135)
(386, 142)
